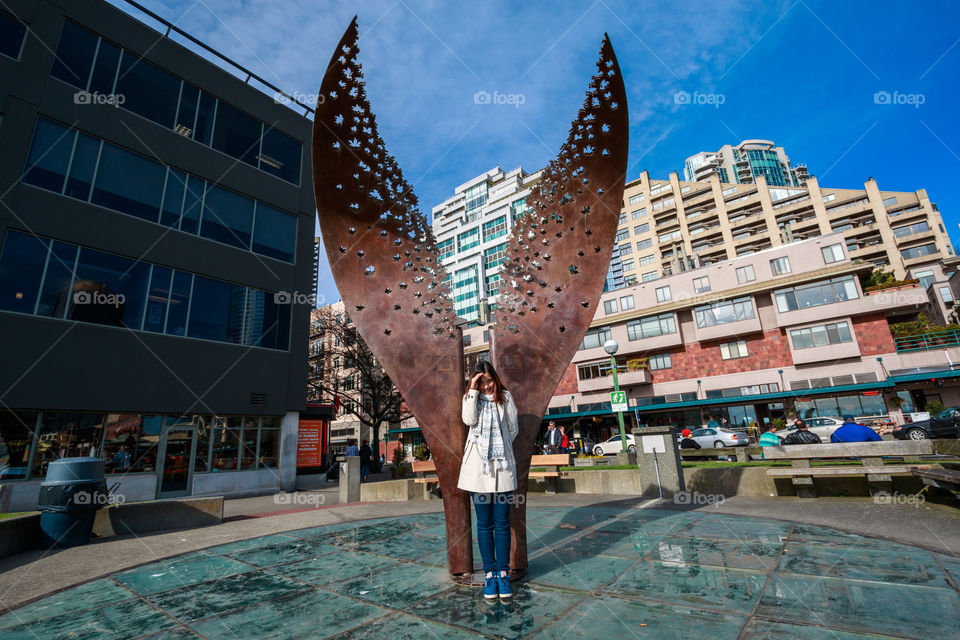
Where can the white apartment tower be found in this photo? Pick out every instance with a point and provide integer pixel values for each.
(741, 164)
(472, 229)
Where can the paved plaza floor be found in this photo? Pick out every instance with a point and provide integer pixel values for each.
(606, 570)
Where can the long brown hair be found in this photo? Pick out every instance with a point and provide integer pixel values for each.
(485, 367)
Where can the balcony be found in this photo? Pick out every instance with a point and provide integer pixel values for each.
(626, 379)
(927, 341)
(730, 329)
(884, 301)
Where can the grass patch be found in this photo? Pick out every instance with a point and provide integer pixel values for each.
(4, 516)
(606, 467)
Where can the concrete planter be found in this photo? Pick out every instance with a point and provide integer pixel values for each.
(584, 462)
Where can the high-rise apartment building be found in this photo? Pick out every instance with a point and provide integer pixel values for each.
(669, 226)
(156, 245)
(743, 163)
(472, 229)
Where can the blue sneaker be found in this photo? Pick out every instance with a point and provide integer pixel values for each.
(503, 584)
(490, 588)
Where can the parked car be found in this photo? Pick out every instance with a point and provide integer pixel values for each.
(581, 445)
(945, 424)
(718, 438)
(823, 426)
(613, 446)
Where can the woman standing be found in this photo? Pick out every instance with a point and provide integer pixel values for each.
(489, 472)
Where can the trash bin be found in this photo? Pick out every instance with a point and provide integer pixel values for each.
(70, 495)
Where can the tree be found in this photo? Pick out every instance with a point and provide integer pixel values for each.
(363, 387)
(878, 277)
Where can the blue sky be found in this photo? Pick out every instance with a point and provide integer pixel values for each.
(804, 74)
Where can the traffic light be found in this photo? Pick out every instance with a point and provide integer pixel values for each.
(937, 382)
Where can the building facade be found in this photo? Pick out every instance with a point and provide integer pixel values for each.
(752, 339)
(156, 246)
(743, 163)
(669, 226)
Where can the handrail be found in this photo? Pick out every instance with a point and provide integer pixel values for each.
(250, 74)
(927, 341)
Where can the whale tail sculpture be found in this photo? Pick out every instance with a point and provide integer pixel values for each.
(384, 259)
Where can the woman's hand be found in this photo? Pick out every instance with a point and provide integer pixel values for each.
(475, 381)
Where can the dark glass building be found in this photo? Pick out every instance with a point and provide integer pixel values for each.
(156, 259)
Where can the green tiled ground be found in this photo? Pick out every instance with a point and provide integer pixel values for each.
(594, 573)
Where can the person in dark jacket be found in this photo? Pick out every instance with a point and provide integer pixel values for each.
(366, 457)
(851, 431)
(802, 435)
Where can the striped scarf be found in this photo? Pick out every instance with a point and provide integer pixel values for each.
(489, 436)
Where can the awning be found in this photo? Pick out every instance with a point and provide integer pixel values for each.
(408, 430)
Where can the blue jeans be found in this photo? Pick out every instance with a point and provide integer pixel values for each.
(364, 471)
(493, 529)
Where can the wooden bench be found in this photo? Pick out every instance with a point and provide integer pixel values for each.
(742, 453)
(941, 478)
(553, 462)
(426, 472)
(870, 455)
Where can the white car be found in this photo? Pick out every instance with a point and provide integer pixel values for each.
(710, 438)
(822, 426)
(613, 446)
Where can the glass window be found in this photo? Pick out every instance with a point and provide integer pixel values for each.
(634, 199)
(274, 331)
(641, 228)
(236, 134)
(645, 260)
(16, 438)
(445, 248)
(644, 244)
(626, 303)
(158, 299)
(280, 156)
(468, 239)
(659, 361)
(701, 284)
(649, 275)
(833, 253)
(609, 306)
(780, 266)
(105, 68)
(187, 113)
(492, 256)
(946, 294)
(227, 217)
(873, 405)
(67, 435)
(130, 183)
(192, 201)
(275, 233)
(12, 32)
(731, 350)
(919, 252)
(49, 155)
(651, 326)
(226, 443)
(495, 228)
(821, 335)
(148, 90)
(269, 443)
(627, 265)
(216, 310)
(57, 280)
(595, 338)
(925, 277)
(173, 198)
(814, 295)
(75, 53)
(639, 213)
(622, 235)
(85, 155)
(625, 249)
(206, 108)
(663, 294)
(724, 311)
(179, 303)
(476, 197)
(745, 274)
(248, 443)
(120, 435)
(21, 270)
(109, 289)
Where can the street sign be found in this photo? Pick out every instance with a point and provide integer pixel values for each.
(618, 400)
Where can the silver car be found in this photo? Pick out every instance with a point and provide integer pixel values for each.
(822, 426)
(710, 438)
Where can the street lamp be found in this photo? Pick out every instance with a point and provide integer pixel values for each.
(611, 346)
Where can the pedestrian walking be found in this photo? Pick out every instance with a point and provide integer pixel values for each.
(366, 457)
(352, 448)
(553, 438)
(489, 472)
(564, 441)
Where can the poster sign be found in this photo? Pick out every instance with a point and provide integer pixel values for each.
(310, 443)
(653, 444)
(618, 400)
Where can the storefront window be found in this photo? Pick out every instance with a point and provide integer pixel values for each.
(67, 435)
(226, 441)
(120, 434)
(906, 404)
(269, 443)
(873, 405)
(16, 436)
(248, 448)
(201, 463)
(827, 407)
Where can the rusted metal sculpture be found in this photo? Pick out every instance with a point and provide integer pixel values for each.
(384, 258)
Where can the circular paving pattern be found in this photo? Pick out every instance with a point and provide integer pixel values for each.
(595, 572)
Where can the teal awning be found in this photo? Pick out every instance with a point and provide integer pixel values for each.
(929, 375)
(407, 430)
